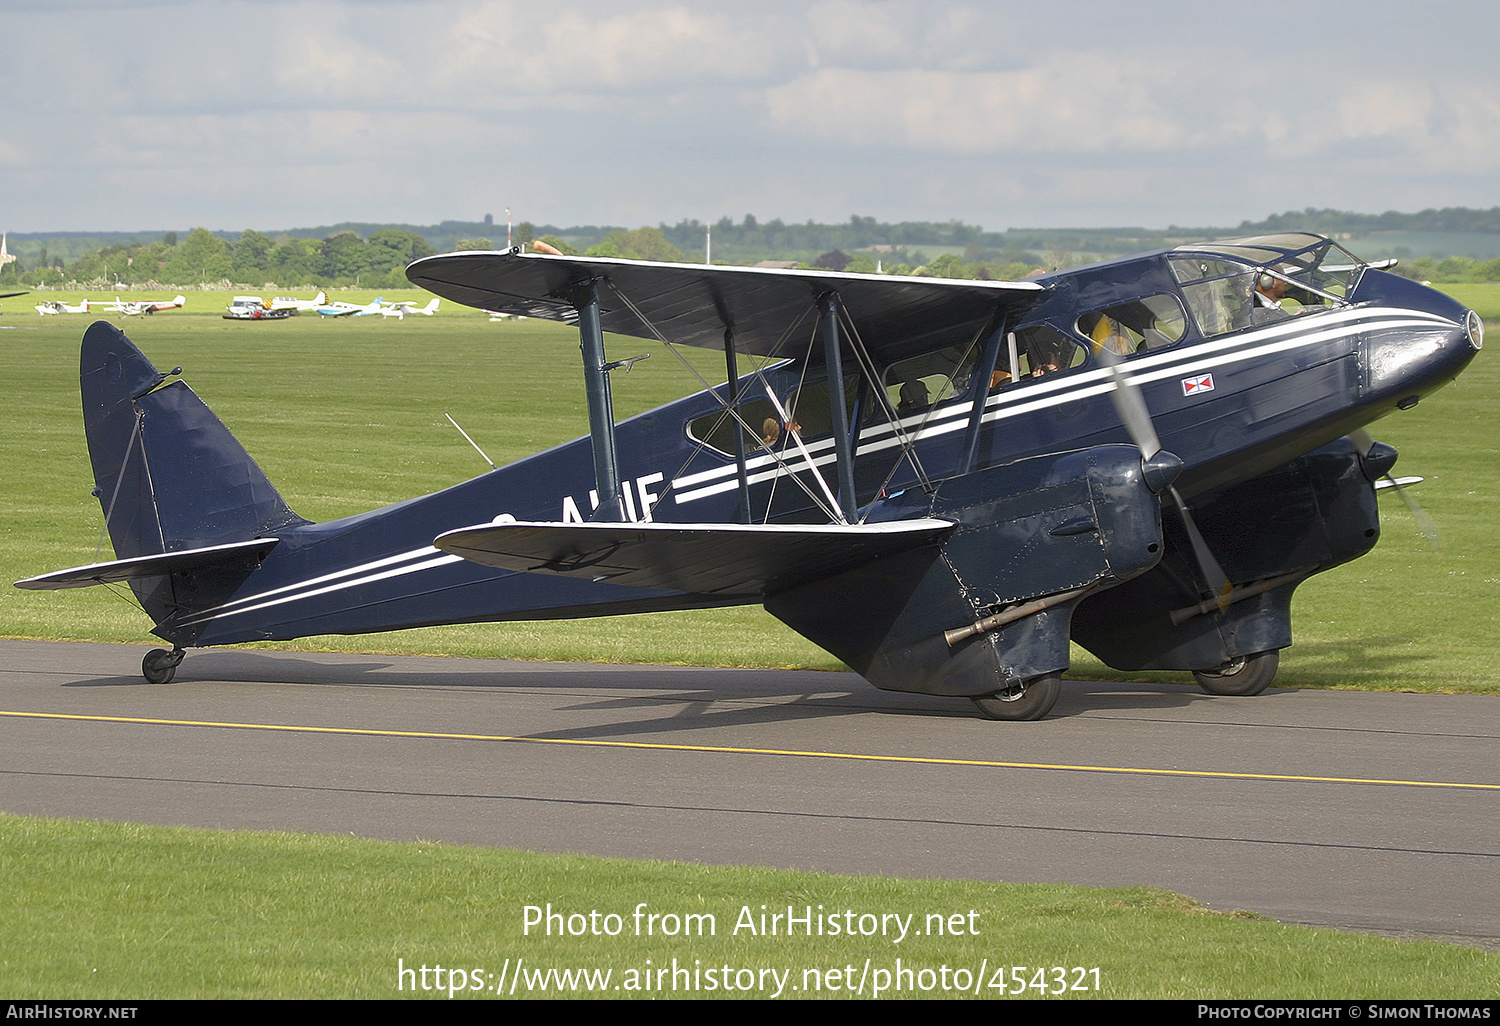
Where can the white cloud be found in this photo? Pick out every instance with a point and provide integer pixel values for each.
(536, 49)
(591, 110)
(1079, 103)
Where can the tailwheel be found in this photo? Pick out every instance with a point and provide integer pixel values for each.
(160, 666)
(1029, 700)
(1247, 675)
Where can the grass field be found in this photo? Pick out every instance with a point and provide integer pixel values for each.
(348, 415)
(97, 911)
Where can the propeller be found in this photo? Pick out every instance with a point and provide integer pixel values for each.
(1161, 468)
(1364, 442)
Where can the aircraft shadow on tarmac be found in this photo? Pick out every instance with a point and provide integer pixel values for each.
(658, 699)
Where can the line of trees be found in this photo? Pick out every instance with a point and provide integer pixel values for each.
(343, 257)
(1337, 222)
(257, 260)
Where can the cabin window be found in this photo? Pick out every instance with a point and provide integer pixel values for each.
(923, 381)
(1135, 327)
(716, 430)
(810, 410)
(1034, 352)
(1220, 293)
(1323, 267)
(807, 408)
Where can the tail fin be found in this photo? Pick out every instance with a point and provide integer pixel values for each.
(167, 472)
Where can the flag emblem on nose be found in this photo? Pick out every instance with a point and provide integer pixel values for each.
(1201, 383)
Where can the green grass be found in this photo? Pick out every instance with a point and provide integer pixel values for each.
(111, 911)
(348, 415)
(1483, 299)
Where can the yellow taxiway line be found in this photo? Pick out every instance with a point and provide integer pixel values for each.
(732, 750)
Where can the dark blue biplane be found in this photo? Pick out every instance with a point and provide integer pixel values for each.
(940, 482)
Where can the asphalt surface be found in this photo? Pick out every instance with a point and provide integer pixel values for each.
(1124, 784)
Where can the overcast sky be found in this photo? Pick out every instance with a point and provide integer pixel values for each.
(275, 114)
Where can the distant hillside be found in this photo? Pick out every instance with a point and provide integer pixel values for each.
(1460, 220)
(1430, 235)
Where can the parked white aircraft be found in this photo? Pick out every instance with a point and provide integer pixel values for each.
(299, 305)
(134, 309)
(407, 306)
(341, 309)
(57, 306)
(6, 256)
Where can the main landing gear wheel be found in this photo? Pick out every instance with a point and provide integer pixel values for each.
(160, 666)
(1247, 675)
(1028, 701)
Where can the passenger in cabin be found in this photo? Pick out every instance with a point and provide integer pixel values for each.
(770, 432)
(1109, 334)
(913, 396)
(1046, 358)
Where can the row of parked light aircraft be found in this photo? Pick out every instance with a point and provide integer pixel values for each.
(248, 307)
(253, 308)
(379, 306)
(117, 306)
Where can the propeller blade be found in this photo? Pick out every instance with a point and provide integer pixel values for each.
(1425, 523)
(1363, 441)
(1131, 407)
(1213, 573)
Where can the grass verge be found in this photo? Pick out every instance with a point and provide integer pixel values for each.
(115, 911)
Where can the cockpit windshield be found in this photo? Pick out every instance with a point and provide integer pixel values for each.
(1302, 257)
(1243, 282)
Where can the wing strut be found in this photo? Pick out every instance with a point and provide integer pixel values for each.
(831, 507)
(828, 309)
(981, 378)
(601, 406)
(731, 367)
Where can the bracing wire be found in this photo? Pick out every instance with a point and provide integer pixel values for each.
(109, 510)
(729, 410)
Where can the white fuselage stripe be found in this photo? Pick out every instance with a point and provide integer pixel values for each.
(306, 589)
(1275, 338)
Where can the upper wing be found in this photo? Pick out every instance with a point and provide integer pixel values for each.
(715, 559)
(694, 304)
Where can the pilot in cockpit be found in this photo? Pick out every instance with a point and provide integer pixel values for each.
(1270, 290)
(1271, 300)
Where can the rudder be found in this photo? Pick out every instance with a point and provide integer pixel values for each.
(168, 473)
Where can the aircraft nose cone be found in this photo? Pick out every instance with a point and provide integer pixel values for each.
(1402, 364)
(1474, 327)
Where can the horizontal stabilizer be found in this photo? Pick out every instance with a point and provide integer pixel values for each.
(714, 559)
(160, 565)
